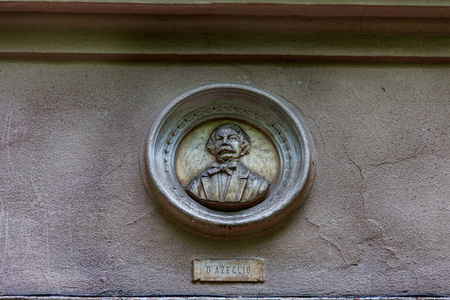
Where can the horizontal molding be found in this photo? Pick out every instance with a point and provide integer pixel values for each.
(18, 297)
(226, 31)
(222, 24)
(416, 9)
(222, 46)
(302, 2)
(224, 58)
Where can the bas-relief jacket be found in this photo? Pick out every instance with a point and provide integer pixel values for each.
(244, 187)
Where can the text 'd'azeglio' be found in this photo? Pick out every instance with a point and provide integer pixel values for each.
(233, 270)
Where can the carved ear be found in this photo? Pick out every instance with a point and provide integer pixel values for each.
(210, 146)
(245, 148)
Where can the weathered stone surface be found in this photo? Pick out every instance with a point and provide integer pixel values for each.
(75, 218)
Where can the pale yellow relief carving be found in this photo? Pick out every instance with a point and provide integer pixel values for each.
(259, 161)
(192, 157)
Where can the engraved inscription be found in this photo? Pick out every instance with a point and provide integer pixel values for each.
(237, 270)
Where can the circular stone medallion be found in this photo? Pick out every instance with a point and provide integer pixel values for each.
(227, 160)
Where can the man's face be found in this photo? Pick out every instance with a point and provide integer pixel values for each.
(227, 144)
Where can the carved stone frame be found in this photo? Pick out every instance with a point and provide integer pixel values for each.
(227, 102)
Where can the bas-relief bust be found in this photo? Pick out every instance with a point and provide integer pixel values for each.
(228, 184)
(196, 188)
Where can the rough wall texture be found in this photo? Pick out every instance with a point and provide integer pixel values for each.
(75, 217)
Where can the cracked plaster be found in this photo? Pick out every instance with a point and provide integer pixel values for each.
(75, 217)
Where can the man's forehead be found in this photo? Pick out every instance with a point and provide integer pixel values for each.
(226, 131)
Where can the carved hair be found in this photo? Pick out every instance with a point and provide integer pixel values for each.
(245, 139)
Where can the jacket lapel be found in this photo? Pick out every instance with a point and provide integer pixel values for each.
(211, 187)
(237, 185)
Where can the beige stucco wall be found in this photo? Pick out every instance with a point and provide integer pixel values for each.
(80, 81)
(75, 217)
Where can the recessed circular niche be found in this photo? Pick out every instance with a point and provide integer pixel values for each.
(227, 160)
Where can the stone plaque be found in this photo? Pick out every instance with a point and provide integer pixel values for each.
(227, 160)
(228, 270)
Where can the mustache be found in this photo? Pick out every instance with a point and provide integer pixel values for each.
(225, 149)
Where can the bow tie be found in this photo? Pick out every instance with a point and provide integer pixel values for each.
(227, 168)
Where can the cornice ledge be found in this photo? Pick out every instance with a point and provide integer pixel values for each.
(354, 8)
